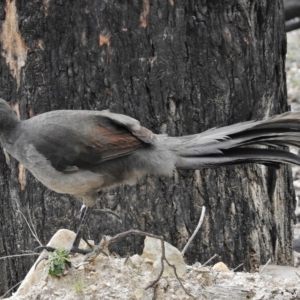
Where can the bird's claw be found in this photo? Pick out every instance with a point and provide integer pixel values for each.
(48, 248)
(73, 249)
(99, 211)
(40, 260)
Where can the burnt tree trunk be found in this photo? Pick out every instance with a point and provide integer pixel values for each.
(180, 67)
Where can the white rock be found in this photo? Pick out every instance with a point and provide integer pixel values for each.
(136, 260)
(93, 287)
(63, 238)
(152, 254)
(139, 294)
(220, 267)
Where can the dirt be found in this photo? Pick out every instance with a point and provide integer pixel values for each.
(118, 278)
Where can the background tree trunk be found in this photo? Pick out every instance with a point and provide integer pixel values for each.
(179, 67)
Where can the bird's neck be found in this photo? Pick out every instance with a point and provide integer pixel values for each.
(9, 132)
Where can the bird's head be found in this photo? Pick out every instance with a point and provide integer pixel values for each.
(8, 118)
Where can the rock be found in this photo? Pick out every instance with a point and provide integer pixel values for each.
(136, 260)
(139, 294)
(152, 254)
(93, 288)
(63, 238)
(220, 267)
(204, 277)
(43, 283)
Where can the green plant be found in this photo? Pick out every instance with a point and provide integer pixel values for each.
(79, 286)
(58, 261)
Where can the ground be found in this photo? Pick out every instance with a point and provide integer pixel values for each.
(112, 277)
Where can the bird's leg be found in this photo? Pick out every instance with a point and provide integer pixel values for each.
(85, 212)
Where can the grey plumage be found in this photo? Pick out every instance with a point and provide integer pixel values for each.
(83, 152)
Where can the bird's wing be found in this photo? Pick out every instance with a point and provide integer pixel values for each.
(81, 139)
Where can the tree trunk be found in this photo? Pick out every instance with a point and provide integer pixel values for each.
(180, 67)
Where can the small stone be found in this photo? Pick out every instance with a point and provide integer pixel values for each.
(250, 278)
(291, 290)
(188, 286)
(88, 292)
(81, 268)
(220, 267)
(196, 265)
(287, 295)
(128, 262)
(226, 275)
(139, 294)
(92, 268)
(152, 254)
(205, 278)
(93, 287)
(136, 260)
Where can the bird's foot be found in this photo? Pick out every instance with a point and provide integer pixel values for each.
(98, 212)
(72, 250)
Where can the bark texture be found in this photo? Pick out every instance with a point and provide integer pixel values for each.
(180, 67)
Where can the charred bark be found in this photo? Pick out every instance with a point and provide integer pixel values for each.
(179, 67)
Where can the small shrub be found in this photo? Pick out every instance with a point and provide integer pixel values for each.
(58, 261)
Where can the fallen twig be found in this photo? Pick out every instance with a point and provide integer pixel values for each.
(238, 267)
(265, 266)
(196, 230)
(18, 255)
(11, 289)
(215, 255)
(80, 264)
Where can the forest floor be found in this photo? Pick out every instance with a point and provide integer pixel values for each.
(111, 277)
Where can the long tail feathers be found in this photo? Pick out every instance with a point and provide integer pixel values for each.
(239, 156)
(236, 144)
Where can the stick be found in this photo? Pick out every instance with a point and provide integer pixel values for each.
(265, 265)
(31, 228)
(209, 260)
(196, 230)
(11, 289)
(238, 266)
(18, 255)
